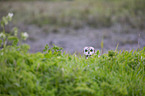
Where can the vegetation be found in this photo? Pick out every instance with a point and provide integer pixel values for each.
(79, 13)
(53, 73)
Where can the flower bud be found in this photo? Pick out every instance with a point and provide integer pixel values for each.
(25, 35)
(10, 15)
(2, 35)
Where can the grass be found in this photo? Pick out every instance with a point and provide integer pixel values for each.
(77, 13)
(54, 74)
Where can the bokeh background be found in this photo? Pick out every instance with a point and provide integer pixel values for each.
(74, 24)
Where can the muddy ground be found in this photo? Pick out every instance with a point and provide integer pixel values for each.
(69, 24)
(72, 40)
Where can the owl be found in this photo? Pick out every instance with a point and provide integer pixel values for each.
(88, 51)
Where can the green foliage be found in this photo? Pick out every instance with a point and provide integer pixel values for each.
(11, 37)
(93, 13)
(79, 13)
(111, 53)
(54, 73)
(46, 74)
(35, 0)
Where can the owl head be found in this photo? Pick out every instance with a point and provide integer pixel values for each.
(88, 51)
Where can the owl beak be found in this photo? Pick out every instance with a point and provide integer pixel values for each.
(88, 52)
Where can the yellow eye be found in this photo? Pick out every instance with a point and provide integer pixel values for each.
(91, 50)
(86, 50)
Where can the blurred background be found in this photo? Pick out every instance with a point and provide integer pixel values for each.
(74, 24)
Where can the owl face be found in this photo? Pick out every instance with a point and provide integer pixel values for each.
(88, 51)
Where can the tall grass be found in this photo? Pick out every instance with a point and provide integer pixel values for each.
(53, 74)
(79, 13)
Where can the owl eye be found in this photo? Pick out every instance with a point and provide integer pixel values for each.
(91, 50)
(86, 50)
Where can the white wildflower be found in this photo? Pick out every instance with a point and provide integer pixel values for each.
(10, 15)
(2, 35)
(25, 35)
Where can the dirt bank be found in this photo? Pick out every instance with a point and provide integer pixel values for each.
(74, 40)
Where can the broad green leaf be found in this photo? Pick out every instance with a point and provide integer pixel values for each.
(14, 39)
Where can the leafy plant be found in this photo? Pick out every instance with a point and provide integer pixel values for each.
(10, 38)
(54, 73)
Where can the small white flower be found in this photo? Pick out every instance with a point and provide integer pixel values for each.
(10, 15)
(141, 57)
(2, 35)
(25, 35)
